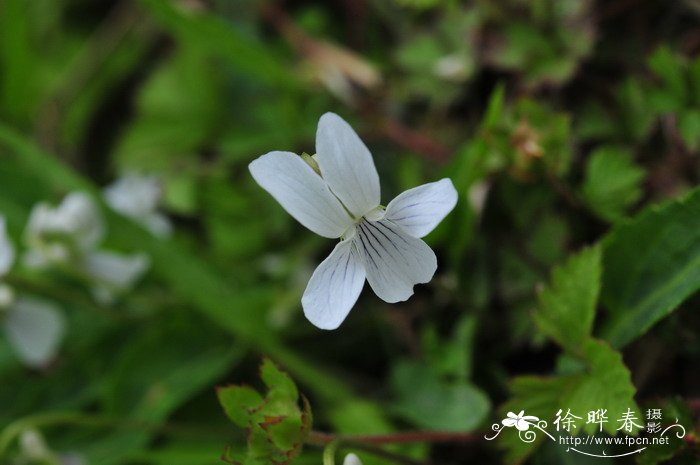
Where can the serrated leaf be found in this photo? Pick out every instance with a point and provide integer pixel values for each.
(237, 402)
(288, 434)
(275, 425)
(538, 396)
(612, 183)
(567, 305)
(278, 381)
(606, 385)
(282, 396)
(651, 265)
(603, 384)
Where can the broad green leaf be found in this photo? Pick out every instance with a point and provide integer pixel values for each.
(536, 396)
(651, 265)
(452, 357)
(429, 402)
(605, 385)
(567, 305)
(612, 183)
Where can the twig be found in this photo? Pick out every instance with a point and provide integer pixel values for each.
(305, 45)
(415, 141)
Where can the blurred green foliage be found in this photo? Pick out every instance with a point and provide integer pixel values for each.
(568, 271)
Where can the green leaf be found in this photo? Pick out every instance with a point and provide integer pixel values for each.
(451, 358)
(567, 305)
(673, 410)
(495, 108)
(671, 69)
(651, 265)
(179, 109)
(209, 33)
(689, 127)
(18, 60)
(537, 396)
(605, 385)
(612, 183)
(237, 402)
(275, 425)
(428, 402)
(282, 396)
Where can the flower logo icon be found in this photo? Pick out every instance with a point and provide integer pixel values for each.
(520, 421)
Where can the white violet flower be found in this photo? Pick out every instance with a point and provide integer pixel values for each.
(34, 328)
(136, 196)
(69, 235)
(341, 199)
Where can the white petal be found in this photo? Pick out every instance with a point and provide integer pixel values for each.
(136, 196)
(133, 195)
(394, 261)
(114, 272)
(34, 329)
(80, 215)
(7, 250)
(334, 287)
(346, 165)
(420, 209)
(158, 224)
(76, 220)
(352, 459)
(302, 192)
(509, 422)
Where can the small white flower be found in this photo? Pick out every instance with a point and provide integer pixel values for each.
(114, 273)
(520, 421)
(69, 236)
(64, 233)
(380, 244)
(136, 196)
(352, 459)
(33, 327)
